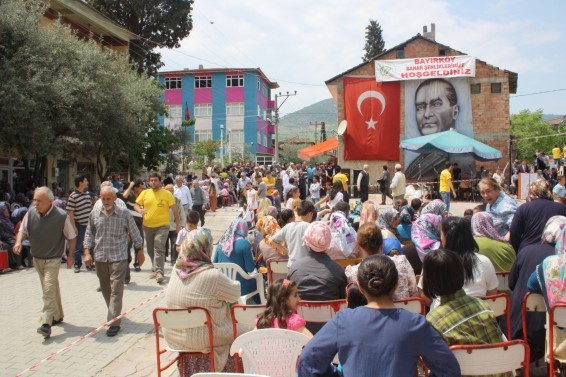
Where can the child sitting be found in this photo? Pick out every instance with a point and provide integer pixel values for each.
(281, 308)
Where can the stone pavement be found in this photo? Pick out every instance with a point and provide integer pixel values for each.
(75, 347)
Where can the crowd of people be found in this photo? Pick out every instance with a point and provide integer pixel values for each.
(303, 215)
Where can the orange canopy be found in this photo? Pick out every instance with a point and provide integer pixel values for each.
(318, 149)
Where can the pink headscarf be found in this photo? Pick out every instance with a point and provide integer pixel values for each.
(369, 212)
(318, 236)
(482, 226)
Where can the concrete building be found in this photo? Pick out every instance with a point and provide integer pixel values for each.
(234, 102)
(488, 107)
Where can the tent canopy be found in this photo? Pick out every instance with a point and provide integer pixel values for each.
(452, 143)
(318, 149)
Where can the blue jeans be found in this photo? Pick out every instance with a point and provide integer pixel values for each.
(446, 199)
(81, 230)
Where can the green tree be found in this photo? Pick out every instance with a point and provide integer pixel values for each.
(531, 133)
(206, 149)
(159, 23)
(375, 44)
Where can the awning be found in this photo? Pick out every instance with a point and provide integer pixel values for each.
(318, 149)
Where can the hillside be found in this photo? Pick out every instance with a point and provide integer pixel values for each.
(302, 123)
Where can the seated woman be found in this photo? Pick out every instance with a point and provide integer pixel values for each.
(234, 247)
(425, 233)
(460, 318)
(369, 213)
(388, 220)
(281, 308)
(406, 215)
(195, 282)
(370, 242)
(267, 226)
(334, 196)
(479, 275)
(318, 277)
(377, 339)
(343, 234)
(491, 244)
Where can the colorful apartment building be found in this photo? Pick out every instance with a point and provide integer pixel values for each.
(235, 103)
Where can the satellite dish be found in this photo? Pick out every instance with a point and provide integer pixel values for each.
(342, 127)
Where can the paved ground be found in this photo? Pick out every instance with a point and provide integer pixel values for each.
(75, 347)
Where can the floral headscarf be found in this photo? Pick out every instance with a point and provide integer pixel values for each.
(437, 206)
(369, 212)
(406, 215)
(482, 226)
(268, 226)
(425, 233)
(553, 229)
(194, 254)
(5, 219)
(540, 189)
(343, 234)
(386, 217)
(237, 230)
(552, 271)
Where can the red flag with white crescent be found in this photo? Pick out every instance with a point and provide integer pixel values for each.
(187, 113)
(372, 110)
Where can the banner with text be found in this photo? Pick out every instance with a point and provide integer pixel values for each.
(425, 68)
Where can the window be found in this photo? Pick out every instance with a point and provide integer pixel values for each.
(259, 111)
(258, 85)
(203, 110)
(441, 52)
(258, 139)
(264, 160)
(496, 87)
(203, 82)
(237, 137)
(475, 88)
(172, 83)
(203, 135)
(400, 54)
(234, 80)
(264, 140)
(174, 111)
(236, 108)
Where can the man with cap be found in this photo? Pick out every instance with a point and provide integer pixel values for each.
(398, 183)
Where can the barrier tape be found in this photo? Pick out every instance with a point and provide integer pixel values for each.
(93, 332)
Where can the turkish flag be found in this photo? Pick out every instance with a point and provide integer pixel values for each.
(372, 110)
(187, 114)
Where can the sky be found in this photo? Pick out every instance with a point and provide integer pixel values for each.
(302, 43)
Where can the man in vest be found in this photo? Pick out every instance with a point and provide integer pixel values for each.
(47, 227)
(363, 184)
(398, 184)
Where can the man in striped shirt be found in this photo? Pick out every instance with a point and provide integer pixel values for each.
(79, 205)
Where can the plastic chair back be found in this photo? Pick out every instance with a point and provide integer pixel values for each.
(320, 311)
(501, 305)
(220, 374)
(273, 352)
(232, 270)
(533, 303)
(503, 279)
(244, 315)
(348, 262)
(276, 270)
(180, 319)
(484, 359)
(413, 304)
(556, 318)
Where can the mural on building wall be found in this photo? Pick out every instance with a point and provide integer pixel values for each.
(372, 112)
(436, 105)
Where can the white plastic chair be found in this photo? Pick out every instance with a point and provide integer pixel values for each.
(503, 279)
(556, 318)
(273, 352)
(181, 319)
(244, 315)
(500, 303)
(413, 304)
(483, 359)
(220, 374)
(320, 311)
(276, 269)
(232, 270)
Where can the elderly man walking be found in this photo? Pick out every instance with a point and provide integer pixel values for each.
(182, 192)
(154, 204)
(47, 227)
(106, 239)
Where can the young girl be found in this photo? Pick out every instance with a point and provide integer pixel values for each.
(293, 194)
(314, 189)
(281, 308)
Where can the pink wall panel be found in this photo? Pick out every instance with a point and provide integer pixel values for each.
(173, 96)
(203, 95)
(234, 94)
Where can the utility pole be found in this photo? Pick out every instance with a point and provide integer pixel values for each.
(229, 142)
(222, 146)
(315, 131)
(277, 107)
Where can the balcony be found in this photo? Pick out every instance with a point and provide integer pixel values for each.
(270, 128)
(270, 105)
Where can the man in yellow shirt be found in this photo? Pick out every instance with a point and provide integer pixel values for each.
(556, 154)
(339, 176)
(154, 204)
(446, 185)
(269, 180)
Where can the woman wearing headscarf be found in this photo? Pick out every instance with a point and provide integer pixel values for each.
(234, 247)
(531, 217)
(501, 206)
(490, 243)
(319, 278)
(526, 262)
(267, 226)
(406, 215)
(425, 233)
(549, 279)
(437, 206)
(195, 282)
(369, 212)
(343, 233)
